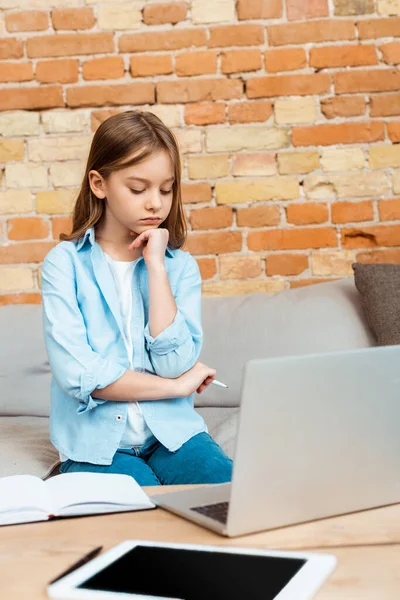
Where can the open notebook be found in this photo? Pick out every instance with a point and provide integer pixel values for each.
(25, 498)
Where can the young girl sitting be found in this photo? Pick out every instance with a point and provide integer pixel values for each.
(122, 318)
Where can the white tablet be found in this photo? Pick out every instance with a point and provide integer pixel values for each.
(156, 571)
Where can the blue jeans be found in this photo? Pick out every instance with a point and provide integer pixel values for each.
(199, 460)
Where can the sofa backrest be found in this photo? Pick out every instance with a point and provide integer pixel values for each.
(319, 318)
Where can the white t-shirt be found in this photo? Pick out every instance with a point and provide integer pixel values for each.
(136, 431)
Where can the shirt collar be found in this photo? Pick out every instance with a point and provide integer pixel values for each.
(89, 234)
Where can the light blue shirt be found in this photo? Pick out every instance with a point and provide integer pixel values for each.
(83, 332)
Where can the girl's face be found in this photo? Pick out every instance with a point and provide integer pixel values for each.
(137, 192)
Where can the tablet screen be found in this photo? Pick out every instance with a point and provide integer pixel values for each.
(195, 574)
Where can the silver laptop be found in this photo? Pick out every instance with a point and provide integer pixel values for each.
(318, 435)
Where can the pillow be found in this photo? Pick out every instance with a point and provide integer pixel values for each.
(379, 286)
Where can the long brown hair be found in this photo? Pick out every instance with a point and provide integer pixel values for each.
(123, 140)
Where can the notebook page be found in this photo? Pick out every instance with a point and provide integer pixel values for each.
(89, 489)
(22, 493)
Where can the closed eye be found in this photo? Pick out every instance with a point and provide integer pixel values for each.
(165, 192)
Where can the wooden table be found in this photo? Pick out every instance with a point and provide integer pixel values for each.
(366, 544)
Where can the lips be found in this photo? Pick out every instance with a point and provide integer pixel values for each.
(151, 220)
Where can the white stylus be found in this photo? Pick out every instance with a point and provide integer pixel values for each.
(215, 382)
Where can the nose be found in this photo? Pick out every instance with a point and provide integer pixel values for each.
(154, 201)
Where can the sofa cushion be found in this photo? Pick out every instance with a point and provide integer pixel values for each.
(379, 286)
(320, 318)
(25, 447)
(24, 369)
(222, 426)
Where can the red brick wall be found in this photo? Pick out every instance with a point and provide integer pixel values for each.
(287, 113)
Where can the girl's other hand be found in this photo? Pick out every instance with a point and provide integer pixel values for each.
(197, 379)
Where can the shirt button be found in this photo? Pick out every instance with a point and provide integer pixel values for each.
(118, 418)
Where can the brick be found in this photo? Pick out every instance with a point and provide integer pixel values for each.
(31, 98)
(340, 133)
(307, 213)
(236, 35)
(370, 237)
(15, 201)
(196, 192)
(145, 66)
(205, 113)
(394, 131)
(63, 121)
(379, 256)
(237, 61)
(390, 53)
(352, 185)
(352, 212)
(189, 140)
(214, 243)
(11, 48)
(196, 63)
(298, 162)
(106, 95)
(11, 150)
(239, 288)
(332, 263)
(382, 157)
(25, 252)
(10, 72)
(238, 138)
(27, 20)
(286, 264)
(373, 80)
(99, 116)
(342, 159)
(344, 106)
(8, 299)
(292, 239)
(73, 18)
(389, 7)
(27, 228)
(378, 28)
(249, 112)
(65, 44)
(212, 11)
(288, 85)
(16, 278)
(297, 10)
(389, 210)
(66, 173)
(259, 9)
(211, 218)
(61, 225)
(267, 188)
(208, 267)
(110, 67)
(299, 110)
(19, 122)
(26, 175)
(345, 8)
(117, 16)
(163, 13)
(385, 105)
(253, 164)
(57, 71)
(239, 267)
(285, 59)
(55, 202)
(343, 56)
(198, 90)
(58, 148)
(258, 216)
(313, 31)
(174, 39)
(208, 167)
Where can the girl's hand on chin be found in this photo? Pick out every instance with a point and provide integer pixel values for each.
(154, 243)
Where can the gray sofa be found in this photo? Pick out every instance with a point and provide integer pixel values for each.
(319, 318)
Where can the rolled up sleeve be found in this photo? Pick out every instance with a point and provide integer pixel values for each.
(176, 349)
(75, 366)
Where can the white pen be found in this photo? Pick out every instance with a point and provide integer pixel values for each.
(215, 382)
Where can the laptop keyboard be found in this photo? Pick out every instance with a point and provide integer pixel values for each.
(217, 511)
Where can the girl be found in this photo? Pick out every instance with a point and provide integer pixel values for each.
(122, 318)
